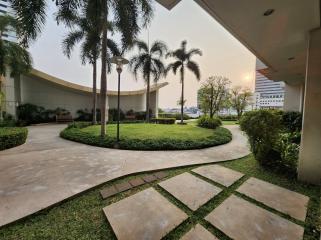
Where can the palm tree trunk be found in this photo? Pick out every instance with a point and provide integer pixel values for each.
(147, 99)
(94, 92)
(182, 97)
(103, 84)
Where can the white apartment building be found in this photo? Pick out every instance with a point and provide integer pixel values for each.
(268, 94)
(5, 8)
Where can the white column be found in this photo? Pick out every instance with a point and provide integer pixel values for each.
(310, 154)
(293, 98)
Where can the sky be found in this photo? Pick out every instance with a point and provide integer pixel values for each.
(222, 53)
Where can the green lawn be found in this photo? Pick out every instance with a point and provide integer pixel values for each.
(153, 131)
(82, 217)
(143, 136)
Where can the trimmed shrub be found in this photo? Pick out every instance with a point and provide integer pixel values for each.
(207, 122)
(177, 116)
(262, 128)
(292, 121)
(163, 120)
(220, 136)
(12, 136)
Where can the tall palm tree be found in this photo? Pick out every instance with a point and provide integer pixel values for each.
(13, 57)
(128, 15)
(149, 62)
(183, 61)
(85, 29)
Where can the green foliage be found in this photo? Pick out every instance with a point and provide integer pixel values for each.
(12, 136)
(274, 137)
(289, 150)
(8, 120)
(292, 121)
(207, 122)
(177, 116)
(229, 118)
(164, 120)
(32, 114)
(262, 128)
(135, 138)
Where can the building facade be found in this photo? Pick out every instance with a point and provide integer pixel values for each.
(47, 91)
(5, 9)
(268, 94)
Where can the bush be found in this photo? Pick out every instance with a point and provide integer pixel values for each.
(33, 114)
(262, 128)
(8, 120)
(207, 122)
(177, 116)
(164, 120)
(229, 118)
(220, 136)
(12, 136)
(289, 151)
(292, 121)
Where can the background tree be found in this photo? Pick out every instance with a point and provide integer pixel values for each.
(128, 15)
(149, 62)
(240, 99)
(183, 61)
(13, 57)
(214, 94)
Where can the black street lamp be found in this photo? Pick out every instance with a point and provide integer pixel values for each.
(120, 62)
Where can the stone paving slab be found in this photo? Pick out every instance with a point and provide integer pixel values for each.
(108, 192)
(122, 187)
(160, 175)
(242, 220)
(136, 182)
(190, 190)
(219, 174)
(149, 178)
(145, 215)
(199, 233)
(281, 199)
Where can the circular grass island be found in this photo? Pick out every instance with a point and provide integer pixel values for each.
(141, 136)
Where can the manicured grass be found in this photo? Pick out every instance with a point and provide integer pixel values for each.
(151, 136)
(230, 122)
(12, 137)
(82, 217)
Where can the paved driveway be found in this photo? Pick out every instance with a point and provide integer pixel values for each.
(48, 169)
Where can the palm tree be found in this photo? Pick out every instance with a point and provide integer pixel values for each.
(149, 62)
(183, 61)
(128, 15)
(13, 57)
(85, 29)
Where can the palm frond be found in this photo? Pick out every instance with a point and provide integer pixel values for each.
(70, 41)
(159, 47)
(174, 66)
(194, 67)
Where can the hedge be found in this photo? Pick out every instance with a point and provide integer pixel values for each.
(12, 136)
(220, 136)
(164, 120)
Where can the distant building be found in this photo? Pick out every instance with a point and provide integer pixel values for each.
(9, 35)
(268, 94)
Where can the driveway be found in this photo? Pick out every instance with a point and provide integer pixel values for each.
(48, 169)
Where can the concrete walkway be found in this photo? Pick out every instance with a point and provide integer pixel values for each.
(48, 169)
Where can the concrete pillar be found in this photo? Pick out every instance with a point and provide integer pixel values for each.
(310, 153)
(11, 89)
(293, 98)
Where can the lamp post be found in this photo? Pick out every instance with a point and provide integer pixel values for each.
(120, 62)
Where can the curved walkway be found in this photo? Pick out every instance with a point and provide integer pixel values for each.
(48, 169)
